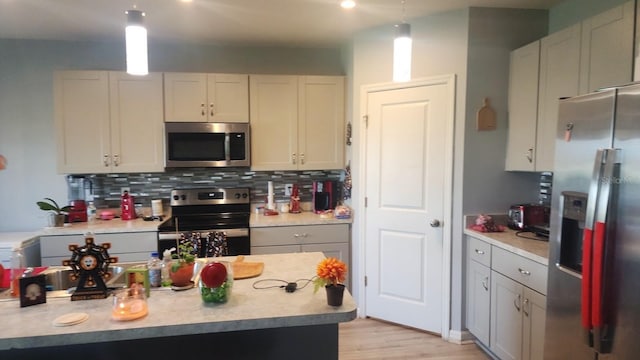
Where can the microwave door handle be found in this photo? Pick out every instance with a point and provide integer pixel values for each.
(227, 147)
(601, 246)
(587, 247)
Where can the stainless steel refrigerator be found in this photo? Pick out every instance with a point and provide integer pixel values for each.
(593, 296)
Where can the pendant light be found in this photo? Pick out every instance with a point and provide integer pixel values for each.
(402, 51)
(136, 43)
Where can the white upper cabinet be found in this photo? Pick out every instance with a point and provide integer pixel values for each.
(99, 117)
(297, 122)
(137, 129)
(523, 107)
(559, 77)
(596, 53)
(321, 122)
(81, 112)
(274, 122)
(607, 49)
(196, 97)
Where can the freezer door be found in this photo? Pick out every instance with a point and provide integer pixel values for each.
(625, 280)
(585, 124)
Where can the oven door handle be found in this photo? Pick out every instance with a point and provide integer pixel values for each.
(234, 232)
(230, 233)
(168, 236)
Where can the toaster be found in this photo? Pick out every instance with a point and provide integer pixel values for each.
(524, 216)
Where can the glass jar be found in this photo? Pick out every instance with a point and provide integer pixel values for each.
(213, 271)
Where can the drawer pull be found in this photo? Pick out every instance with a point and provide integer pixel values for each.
(524, 272)
(479, 252)
(304, 235)
(485, 283)
(516, 303)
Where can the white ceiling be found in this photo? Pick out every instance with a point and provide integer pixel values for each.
(248, 22)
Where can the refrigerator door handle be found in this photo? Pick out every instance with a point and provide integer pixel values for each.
(600, 245)
(587, 246)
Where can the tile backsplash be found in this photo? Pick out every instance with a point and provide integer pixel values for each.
(147, 186)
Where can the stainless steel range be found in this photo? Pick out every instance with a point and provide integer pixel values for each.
(198, 214)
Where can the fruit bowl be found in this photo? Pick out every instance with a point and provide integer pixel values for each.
(216, 281)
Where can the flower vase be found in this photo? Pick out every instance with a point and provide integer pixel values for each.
(182, 275)
(335, 293)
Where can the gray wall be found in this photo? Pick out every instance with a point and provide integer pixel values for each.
(26, 103)
(570, 12)
(473, 44)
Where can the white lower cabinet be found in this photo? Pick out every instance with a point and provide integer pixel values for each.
(478, 300)
(517, 320)
(332, 240)
(127, 247)
(505, 301)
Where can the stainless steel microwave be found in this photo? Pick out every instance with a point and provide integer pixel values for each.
(207, 144)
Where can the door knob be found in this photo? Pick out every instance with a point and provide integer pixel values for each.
(435, 223)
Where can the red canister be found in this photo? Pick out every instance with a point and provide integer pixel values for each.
(127, 207)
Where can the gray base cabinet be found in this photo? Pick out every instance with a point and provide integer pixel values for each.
(332, 240)
(127, 247)
(505, 300)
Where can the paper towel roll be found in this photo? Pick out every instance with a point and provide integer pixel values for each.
(270, 203)
(156, 207)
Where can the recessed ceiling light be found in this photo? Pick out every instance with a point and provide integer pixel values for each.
(348, 4)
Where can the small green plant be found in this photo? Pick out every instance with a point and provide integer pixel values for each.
(51, 205)
(184, 255)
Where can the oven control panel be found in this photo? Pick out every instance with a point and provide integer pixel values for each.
(210, 196)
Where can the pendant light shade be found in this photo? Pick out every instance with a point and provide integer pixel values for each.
(136, 43)
(402, 53)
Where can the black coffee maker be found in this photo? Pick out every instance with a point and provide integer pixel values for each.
(325, 195)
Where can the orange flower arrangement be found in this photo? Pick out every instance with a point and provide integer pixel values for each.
(330, 271)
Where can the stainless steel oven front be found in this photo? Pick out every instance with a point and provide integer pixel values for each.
(237, 241)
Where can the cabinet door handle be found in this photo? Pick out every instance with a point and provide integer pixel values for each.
(203, 112)
(116, 160)
(530, 155)
(485, 283)
(105, 159)
(302, 158)
(479, 252)
(293, 158)
(524, 307)
(516, 302)
(524, 272)
(211, 109)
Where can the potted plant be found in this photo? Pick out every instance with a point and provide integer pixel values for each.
(181, 270)
(58, 212)
(331, 272)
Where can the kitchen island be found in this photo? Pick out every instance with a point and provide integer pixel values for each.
(255, 324)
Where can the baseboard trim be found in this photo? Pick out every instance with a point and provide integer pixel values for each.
(460, 337)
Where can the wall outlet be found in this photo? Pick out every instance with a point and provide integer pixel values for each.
(125, 188)
(287, 189)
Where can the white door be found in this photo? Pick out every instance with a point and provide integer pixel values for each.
(408, 191)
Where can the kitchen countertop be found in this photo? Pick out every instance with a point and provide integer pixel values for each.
(174, 313)
(103, 226)
(533, 249)
(288, 219)
(536, 250)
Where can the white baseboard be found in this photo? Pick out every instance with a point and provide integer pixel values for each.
(460, 337)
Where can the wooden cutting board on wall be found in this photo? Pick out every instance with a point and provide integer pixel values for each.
(245, 270)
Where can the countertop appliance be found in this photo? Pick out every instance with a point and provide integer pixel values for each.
(594, 258)
(197, 214)
(527, 216)
(207, 144)
(325, 196)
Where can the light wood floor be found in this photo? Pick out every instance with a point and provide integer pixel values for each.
(363, 339)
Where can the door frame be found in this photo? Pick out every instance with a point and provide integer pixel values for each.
(450, 81)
